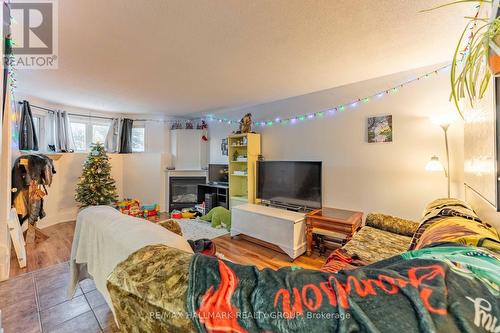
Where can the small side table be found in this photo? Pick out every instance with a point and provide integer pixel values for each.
(337, 221)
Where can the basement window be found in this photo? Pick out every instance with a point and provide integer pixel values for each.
(79, 132)
(99, 133)
(138, 138)
(87, 131)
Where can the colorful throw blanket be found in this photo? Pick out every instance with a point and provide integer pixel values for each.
(447, 289)
(452, 220)
(340, 259)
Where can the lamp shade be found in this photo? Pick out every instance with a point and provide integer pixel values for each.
(434, 164)
(446, 119)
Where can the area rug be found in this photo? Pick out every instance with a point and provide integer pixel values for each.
(197, 229)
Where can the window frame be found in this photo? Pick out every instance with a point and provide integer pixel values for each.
(41, 131)
(86, 135)
(143, 126)
(89, 123)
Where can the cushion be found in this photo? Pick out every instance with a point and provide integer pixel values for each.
(452, 220)
(371, 244)
(148, 290)
(457, 230)
(392, 224)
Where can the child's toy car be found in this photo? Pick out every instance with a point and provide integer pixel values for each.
(150, 210)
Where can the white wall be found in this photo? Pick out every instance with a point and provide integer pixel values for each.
(59, 204)
(217, 132)
(383, 177)
(143, 177)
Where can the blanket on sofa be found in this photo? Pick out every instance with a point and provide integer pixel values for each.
(105, 237)
(447, 289)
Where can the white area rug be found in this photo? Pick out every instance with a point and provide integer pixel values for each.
(197, 229)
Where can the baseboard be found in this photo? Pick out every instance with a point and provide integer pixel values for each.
(59, 218)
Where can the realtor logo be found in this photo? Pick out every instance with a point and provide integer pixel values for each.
(34, 34)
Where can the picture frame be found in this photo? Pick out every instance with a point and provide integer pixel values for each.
(380, 129)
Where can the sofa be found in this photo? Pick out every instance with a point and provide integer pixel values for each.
(382, 237)
(435, 287)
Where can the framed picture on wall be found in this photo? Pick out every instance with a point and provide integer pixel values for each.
(224, 147)
(379, 129)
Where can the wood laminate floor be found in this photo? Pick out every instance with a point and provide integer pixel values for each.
(57, 249)
(54, 250)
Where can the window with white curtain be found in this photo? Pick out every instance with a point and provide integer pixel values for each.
(88, 130)
(79, 132)
(99, 132)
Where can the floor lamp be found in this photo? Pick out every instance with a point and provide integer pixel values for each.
(444, 121)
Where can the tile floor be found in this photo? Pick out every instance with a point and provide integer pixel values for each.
(36, 302)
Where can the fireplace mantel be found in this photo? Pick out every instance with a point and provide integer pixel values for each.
(186, 173)
(179, 173)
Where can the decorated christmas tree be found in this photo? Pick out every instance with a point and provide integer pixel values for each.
(96, 186)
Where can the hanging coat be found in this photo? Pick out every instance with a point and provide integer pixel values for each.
(31, 175)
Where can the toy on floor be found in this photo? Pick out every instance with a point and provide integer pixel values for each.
(176, 214)
(188, 213)
(150, 210)
(219, 217)
(129, 207)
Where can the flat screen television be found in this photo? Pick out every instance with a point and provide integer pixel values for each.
(290, 183)
(218, 174)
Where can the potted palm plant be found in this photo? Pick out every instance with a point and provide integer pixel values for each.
(471, 71)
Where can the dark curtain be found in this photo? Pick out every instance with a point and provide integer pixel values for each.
(27, 135)
(126, 136)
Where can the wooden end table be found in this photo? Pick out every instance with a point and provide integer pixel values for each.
(332, 221)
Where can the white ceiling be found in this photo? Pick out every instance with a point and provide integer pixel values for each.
(183, 56)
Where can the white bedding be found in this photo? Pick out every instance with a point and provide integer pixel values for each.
(105, 237)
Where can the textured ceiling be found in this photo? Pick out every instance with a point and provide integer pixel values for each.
(183, 56)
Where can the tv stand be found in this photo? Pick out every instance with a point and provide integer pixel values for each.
(282, 228)
(291, 207)
(220, 190)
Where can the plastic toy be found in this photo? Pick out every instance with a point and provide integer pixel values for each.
(188, 215)
(129, 207)
(219, 217)
(176, 214)
(150, 210)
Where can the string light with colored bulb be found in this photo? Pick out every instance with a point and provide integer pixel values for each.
(335, 109)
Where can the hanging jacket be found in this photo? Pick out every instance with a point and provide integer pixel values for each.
(31, 175)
